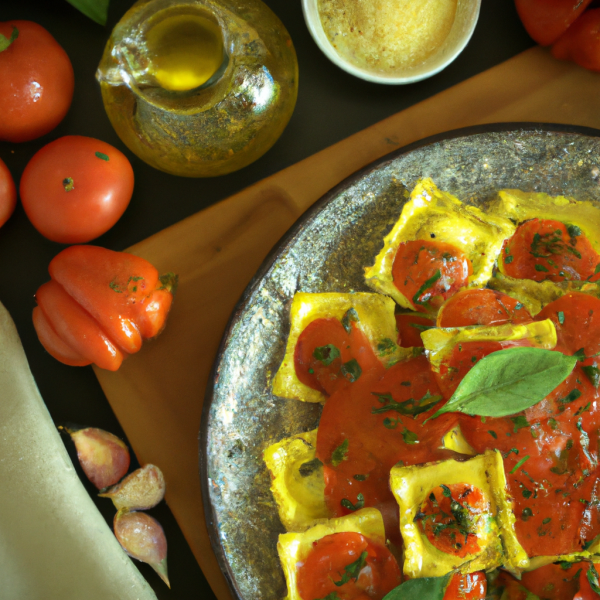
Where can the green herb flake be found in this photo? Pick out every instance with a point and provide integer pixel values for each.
(518, 306)
(360, 503)
(6, 42)
(508, 259)
(573, 230)
(352, 571)
(519, 464)
(386, 347)
(561, 317)
(340, 453)
(421, 327)
(593, 374)
(360, 477)
(553, 423)
(409, 437)
(102, 156)
(526, 514)
(97, 10)
(68, 184)
(308, 468)
(547, 520)
(326, 354)
(114, 286)
(593, 578)
(493, 434)
(408, 407)
(351, 316)
(519, 423)
(508, 381)
(540, 268)
(426, 286)
(351, 370)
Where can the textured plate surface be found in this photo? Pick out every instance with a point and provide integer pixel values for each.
(326, 252)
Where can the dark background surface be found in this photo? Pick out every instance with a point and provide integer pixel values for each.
(331, 106)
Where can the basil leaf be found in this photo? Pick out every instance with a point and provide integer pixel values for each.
(352, 571)
(6, 42)
(509, 381)
(429, 588)
(97, 10)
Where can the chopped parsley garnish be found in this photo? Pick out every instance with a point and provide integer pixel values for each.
(593, 374)
(540, 268)
(68, 184)
(519, 464)
(561, 317)
(493, 434)
(352, 571)
(351, 370)
(326, 354)
(593, 578)
(360, 477)
(102, 156)
(409, 437)
(360, 503)
(350, 317)
(386, 346)
(408, 407)
(308, 468)
(340, 453)
(570, 397)
(429, 283)
(519, 422)
(421, 327)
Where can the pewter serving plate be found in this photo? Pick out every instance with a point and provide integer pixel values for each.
(326, 251)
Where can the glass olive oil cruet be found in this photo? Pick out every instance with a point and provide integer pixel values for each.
(199, 87)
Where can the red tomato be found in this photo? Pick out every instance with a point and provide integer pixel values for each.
(543, 249)
(410, 326)
(8, 194)
(546, 20)
(581, 42)
(472, 586)
(481, 307)
(350, 566)
(427, 273)
(36, 82)
(76, 188)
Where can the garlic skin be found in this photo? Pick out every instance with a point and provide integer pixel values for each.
(143, 538)
(140, 490)
(103, 457)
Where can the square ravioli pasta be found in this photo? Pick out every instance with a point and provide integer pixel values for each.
(456, 516)
(372, 315)
(433, 222)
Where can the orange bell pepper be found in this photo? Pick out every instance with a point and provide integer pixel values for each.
(100, 305)
(546, 20)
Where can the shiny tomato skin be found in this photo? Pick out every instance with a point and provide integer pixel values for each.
(8, 194)
(472, 586)
(410, 326)
(581, 42)
(546, 20)
(324, 567)
(36, 83)
(76, 188)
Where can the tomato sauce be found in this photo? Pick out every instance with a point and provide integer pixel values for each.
(349, 565)
(428, 272)
(374, 421)
(543, 249)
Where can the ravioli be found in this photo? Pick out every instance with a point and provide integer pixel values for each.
(433, 214)
(374, 317)
(439, 342)
(297, 481)
(496, 543)
(294, 547)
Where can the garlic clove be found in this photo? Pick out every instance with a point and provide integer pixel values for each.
(143, 538)
(140, 490)
(104, 458)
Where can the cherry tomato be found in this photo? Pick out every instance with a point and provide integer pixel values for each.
(351, 566)
(472, 586)
(481, 307)
(328, 358)
(581, 42)
(76, 188)
(8, 194)
(36, 82)
(427, 272)
(546, 20)
(449, 518)
(543, 249)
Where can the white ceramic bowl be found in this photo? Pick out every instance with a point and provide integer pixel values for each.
(467, 13)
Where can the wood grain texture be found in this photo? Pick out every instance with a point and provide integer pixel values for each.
(157, 394)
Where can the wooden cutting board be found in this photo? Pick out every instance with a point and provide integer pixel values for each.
(157, 394)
